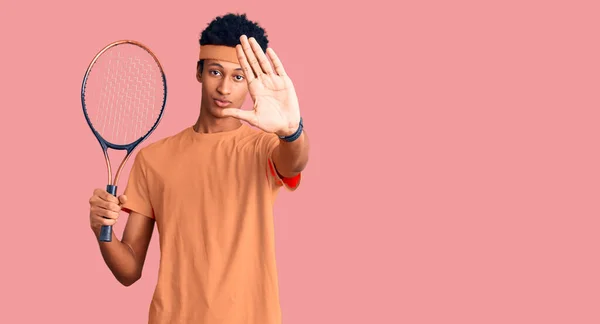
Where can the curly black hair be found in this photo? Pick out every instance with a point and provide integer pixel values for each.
(227, 29)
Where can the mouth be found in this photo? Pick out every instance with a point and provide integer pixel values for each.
(222, 103)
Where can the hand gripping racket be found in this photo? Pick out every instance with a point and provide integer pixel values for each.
(123, 96)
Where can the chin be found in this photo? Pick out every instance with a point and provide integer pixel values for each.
(214, 111)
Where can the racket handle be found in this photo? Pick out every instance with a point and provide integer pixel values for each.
(106, 230)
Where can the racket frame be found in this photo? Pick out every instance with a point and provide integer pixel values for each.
(106, 230)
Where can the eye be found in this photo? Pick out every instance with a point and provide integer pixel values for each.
(214, 72)
(239, 77)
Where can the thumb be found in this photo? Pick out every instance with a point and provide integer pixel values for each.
(122, 199)
(245, 115)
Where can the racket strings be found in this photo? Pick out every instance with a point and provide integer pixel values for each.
(124, 94)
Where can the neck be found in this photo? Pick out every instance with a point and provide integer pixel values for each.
(207, 123)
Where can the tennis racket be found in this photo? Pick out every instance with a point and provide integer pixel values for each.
(123, 96)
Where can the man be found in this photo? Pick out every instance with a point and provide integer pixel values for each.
(210, 188)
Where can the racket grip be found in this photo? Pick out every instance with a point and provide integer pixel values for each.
(106, 230)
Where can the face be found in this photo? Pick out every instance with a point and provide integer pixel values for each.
(223, 85)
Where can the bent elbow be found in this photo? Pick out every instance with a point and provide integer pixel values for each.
(129, 280)
(300, 166)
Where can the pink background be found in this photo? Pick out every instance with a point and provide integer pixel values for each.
(453, 177)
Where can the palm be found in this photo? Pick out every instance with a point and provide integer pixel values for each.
(276, 108)
(275, 102)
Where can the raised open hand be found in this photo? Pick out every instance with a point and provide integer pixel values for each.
(276, 108)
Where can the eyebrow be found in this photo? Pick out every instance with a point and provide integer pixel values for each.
(221, 66)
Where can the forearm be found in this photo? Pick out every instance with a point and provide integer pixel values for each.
(291, 158)
(120, 259)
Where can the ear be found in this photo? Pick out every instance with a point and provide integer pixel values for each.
(198, 73)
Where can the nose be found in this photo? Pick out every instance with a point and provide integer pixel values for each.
(224, 87)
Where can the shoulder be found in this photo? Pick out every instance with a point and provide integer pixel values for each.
(161, 148)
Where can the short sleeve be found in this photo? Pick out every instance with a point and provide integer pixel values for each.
(268, 144)
(138, 196)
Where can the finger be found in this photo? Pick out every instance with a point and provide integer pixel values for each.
(252, 60)
(244, 64)
(105, 210)
(245, 115)
(122, 199)
(104, 221)
(105, 213)
(105, 195)
(110, 217)
(103, 204)
(109, 222)
(276, 62)
(263, 61)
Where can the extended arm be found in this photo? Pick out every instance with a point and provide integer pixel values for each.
(290, 158)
